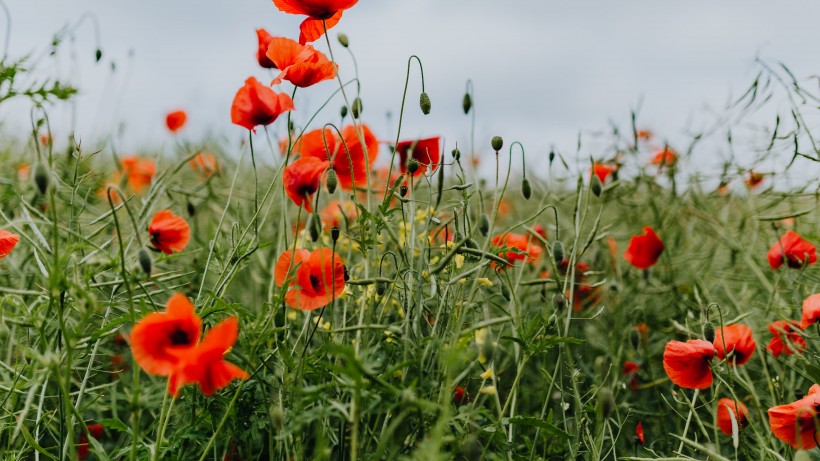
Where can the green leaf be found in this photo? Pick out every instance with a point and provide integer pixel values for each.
(536, 422)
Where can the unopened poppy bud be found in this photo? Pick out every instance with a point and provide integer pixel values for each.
(497, 143)
(315, 227)
(343, 40)
(98, 54)
(412, 165)
(484, 225)
(467, 103)
(558, 252)
(596, 186)
(356, 108)
(505, 292)
(526, 189)
(559, 302)
(331, 181)
(424, 102)
(709, 331)
(190, 208)
(144, 258)
(381, 288)
(403, 191)
(456, 154)
(41, 177)
(334, 234)
(277, 417)
(606, 402)
(343, 112)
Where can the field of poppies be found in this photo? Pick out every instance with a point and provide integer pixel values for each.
(367, 296)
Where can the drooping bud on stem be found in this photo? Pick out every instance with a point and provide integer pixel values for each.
(144, 258)
(526, 189)
(456, 154)
(331, 181)
(315, 227)
(41, 177)
(190, 208)
(484, 225)
(343, 112)
(424, 102)
(558, 252)
(709, 331)
(467, 103)
(343, 40)
(595, 187)
(356, 108)
(497, 143)
(98, 55)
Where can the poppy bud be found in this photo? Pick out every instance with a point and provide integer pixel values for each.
(596, 186)
(277, 417)
(467, 103)
(424, 102)
(552, 156)
(403, 191)
(606, 402)
(559, 302)
(412, 166)
(334, 234)
(484, 225)
(460, 396)
(356, 108)
(558, 252)
(41, 177)
(381, 288)
(191, 209)
(343, 112)
(497, 143)
(331, 181)
(709, 331)
(456, 154)
(526, 189)
(144, 258)
(343, 39)
(98, 54)
(505, 292)
(314, 227)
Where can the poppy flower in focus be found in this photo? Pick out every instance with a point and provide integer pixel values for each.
(255, 104)
(264, 39)
(811, 309)
(336, 214)
(344, 153)
(322, 14)
(158, 336)
(644, 250)
(786, 338)
(314, 279)
(602, 171)
(94, 430)
(176, 120)
(169, 232)
(204, 364)
(139, 172)
(754, 179)
(794, 250)
(794, 423)
(301, 179)
(737, 338)
(205, 164)
(724, 419)
(665, 157)
(7, 242)
(425, 151)
(523, 249)
(639, 433)
(687, 364)
(301, 65)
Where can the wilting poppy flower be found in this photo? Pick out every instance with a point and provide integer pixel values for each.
(794, 423)
(602, 171)
(811, 310)
(7, 242)
(301, 179)
(754, 179)
(643, 250)
(724, 419)
(323, 14)
(786, 338)
(687, 364)
(460, 396)
(665, 157)
(94, 430)
(523, 249)
(737, 338)
(314, 279)
(176, 120)
(324, 145)
(425, 151)
(264, 39)
(205, 164)
(336, 213)
(301, 65)
(794, 250)
(204, 364)
(156, 338)
(169, 232)
(255, 104)
(639, 433)
(139, 172)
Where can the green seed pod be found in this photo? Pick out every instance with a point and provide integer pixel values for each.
(526, 189)
(606, 402)
(315, 227)
(559, 301)
(334, 234)
(343, 40)
(497, 143)
(381, 288)
(412, 166)
(484, 225)
(709, 331)
(456, 154)
(144, 258)
(98, 55)
(343, 112)
(424, 102)
(331, 181)
(42, 178)
(558, 252)
(356, 108)
(467, 103)
(191, 209)
(596, 186)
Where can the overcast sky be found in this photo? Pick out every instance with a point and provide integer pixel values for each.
(542, 70)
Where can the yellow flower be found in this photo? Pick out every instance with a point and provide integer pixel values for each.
(488, 374)
(487, 390)
(459, 260)
(485, 281)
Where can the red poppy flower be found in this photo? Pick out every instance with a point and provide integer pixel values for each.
(169, 232)
(644, 250)
(665, 157)
(344, 154)
(737, 338)
(176, 120)
(322, 14)
(301, 65)
(540, 230)
(204, 364)
(336, 213)
(630, 368)
(786, 338)
(811, 310)
(301, 179)
(425, 151)
(139, 172)
(314, 279)
(205, 164)
(794, 423)
(687, 364)
(460, 396)
(602, 171)
(754, 179)
(724, 419)
(794, 250)
(523, 248)
(644, 135)
(264, 39)
(156, 338)
(95, 431)
(639, 433)
(7, 242)
(255, 104)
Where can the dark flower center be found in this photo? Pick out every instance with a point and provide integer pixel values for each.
(179, 338)
(315, 282)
